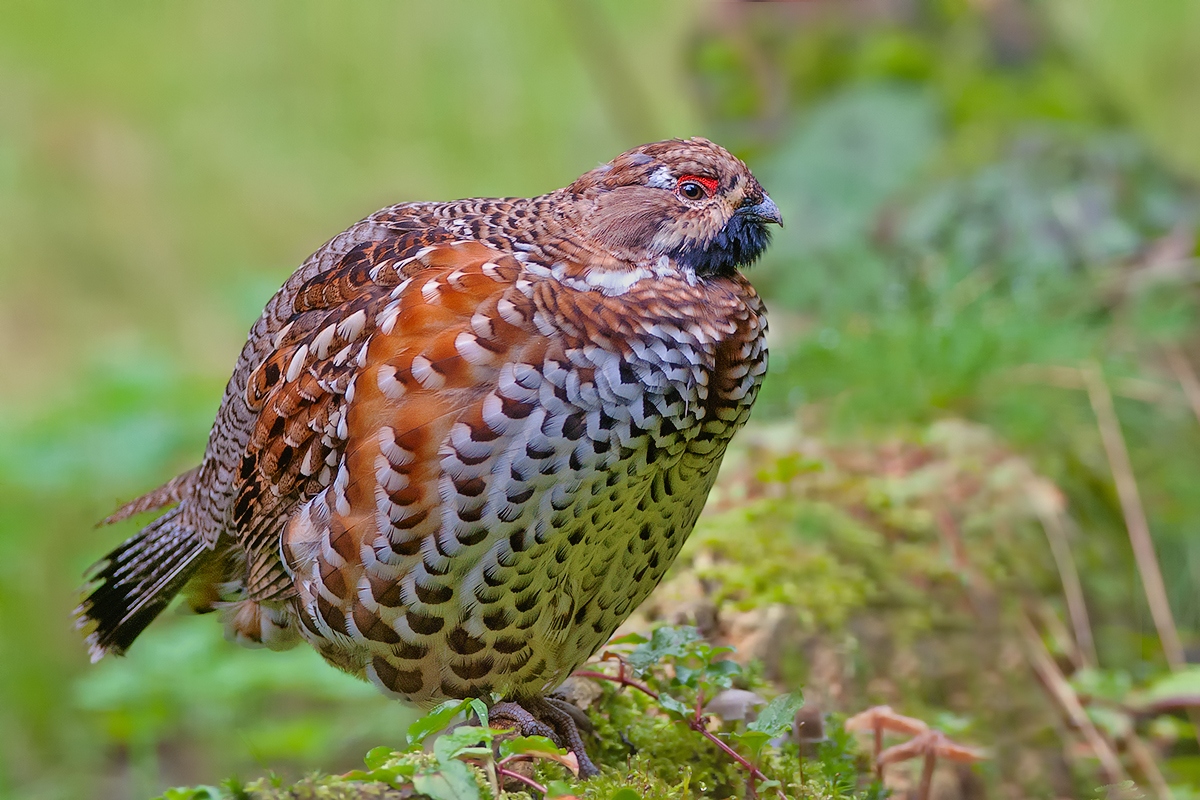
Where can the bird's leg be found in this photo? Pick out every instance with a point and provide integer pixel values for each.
(544, 717)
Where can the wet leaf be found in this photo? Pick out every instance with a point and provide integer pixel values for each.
(674, 705)
(663, 642)
(779, 716)
(435, 720)
(376, 757)
(453, 780)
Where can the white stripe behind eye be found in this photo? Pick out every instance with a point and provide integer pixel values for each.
(662, 178)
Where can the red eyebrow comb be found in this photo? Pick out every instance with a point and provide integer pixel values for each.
(710, 184)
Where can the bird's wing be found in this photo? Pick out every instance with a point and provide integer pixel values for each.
(297, 393)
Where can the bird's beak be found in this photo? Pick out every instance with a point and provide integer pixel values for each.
(766, 211)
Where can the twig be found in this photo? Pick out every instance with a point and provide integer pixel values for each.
(620, 679)
(1186, 376)
(1149, 767)
(1060, 548)
(1136, 524)
(1135, 515)
(530, 782)
(1058, 687)
(1140, 389)
(696, 723)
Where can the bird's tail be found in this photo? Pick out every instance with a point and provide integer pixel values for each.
(135, 582)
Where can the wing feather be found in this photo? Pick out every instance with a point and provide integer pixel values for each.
(303, 388)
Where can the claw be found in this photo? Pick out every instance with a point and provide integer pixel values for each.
(549, 718)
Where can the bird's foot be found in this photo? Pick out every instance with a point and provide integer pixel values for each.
(545, 716)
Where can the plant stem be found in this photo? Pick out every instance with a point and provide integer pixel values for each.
(1068, 702)
(696, 723)
(619, 679)
(1186, 376)
(1144, 758)
(1060, 548)
(1135, 514)
(1135, 523)
(530, 782)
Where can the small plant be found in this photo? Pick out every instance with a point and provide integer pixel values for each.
(448, 775)
(462, 763)
(698, 673)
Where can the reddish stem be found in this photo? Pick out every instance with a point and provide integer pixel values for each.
(696, 723)
(619, 679)
(530, 782)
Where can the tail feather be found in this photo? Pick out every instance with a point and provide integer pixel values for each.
(135, 582)
(170, 492)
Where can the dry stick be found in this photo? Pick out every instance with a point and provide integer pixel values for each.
(1135, 514)
(1058, 687)
(1186, 376)
(1149, 766)
(1060, 548)
(1191, 388)
(1136, 524)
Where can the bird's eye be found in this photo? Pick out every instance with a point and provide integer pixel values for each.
(691, 187)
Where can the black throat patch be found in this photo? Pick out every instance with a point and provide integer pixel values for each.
(738, 244)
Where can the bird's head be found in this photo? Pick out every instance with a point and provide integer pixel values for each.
(687, 199)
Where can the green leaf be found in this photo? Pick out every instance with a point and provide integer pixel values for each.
(752, 740)
(539, 747)
(685, 676)
(1113, 685)
(625, 794)
(435, 720)
(721, 673)
(192, 793)
(665, 641)
(779, 716)
(673, 705)
(453, 780)
(376, 757)
(1177, 685)
(481, 710)
(1116, 724)
(630, 638)
(525, 745)
(559, 789)
(451, 745)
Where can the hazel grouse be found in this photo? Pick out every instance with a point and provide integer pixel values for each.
(465, 440)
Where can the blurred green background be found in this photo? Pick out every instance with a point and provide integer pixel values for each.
(977, 193)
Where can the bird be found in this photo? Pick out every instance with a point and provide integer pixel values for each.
(466, 439)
